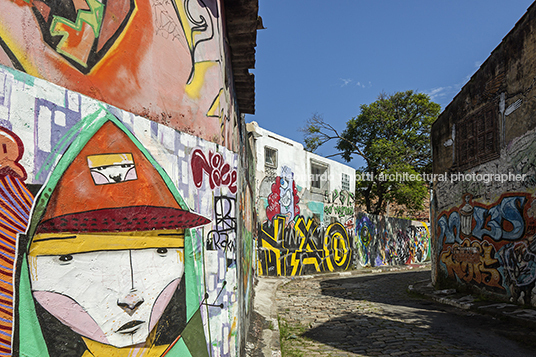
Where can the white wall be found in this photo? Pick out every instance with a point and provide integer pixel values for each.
(292, 154)
(326, 203)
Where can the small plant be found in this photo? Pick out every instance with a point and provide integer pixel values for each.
(270, 325)
(290, 336)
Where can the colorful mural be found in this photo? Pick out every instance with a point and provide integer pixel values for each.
(165, 61)
(491, 245)
(302, 247)
(308, 231)
(390, 241)
(128, 247)
(293, 237)
(484, 215)
(246, 238)
(99, 266)
(283, 200)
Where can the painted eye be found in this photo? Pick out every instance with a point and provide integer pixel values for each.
(65, 258)
(162, 251)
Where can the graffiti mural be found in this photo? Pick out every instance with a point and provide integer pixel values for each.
(339, 206)
(218, 176)
(491, 245)
(121, 263)
(501, 227)
(517, 263)
(283, 200)
(503, 220)
(390, 241)
(301, 229)
(122, 251)
(488, 132)
(246, 236)
(472, 261)
(302, 247)
(164, 60)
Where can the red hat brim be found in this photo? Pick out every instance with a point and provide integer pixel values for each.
(123, 219)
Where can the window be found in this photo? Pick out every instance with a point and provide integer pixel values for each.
(270, 157)
(345, 182)
(477, 138)
(319, 176)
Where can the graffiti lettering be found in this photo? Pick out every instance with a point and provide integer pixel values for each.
(510, 209)
(220, 241)
(450, 228)
(219, 173)
(83, 32)
(482, 270)
(166, 24)
(503, 220)
(339, 205)
(303, 248)
(466, 254)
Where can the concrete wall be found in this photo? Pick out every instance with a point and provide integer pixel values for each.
(165, 61)
(483, 143)
(128, 232)
(305, 229)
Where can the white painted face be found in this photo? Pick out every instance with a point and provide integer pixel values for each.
(113, 297)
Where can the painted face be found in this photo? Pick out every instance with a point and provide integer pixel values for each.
(114, 297)
(111, 168)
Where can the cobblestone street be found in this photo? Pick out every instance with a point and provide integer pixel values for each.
(373, 315)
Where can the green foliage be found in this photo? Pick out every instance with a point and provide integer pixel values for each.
(392, 135)
(291, 338)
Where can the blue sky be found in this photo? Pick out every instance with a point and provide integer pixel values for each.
(329, 57)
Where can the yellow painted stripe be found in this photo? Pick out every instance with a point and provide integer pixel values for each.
(109, 159)
(64, 243)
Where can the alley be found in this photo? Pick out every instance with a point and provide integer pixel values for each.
(373, 315)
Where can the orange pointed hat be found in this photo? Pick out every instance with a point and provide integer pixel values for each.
(111, 186)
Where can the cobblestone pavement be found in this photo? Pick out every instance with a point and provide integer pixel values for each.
(373, 315)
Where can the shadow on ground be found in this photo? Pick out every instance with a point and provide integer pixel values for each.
(390, 320)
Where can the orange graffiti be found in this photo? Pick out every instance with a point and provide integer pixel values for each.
(472, 260)
(121, 52)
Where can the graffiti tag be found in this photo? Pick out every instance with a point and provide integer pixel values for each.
(218, 171)
(473, 261)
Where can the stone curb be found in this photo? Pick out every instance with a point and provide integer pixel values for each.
(361, 271)
(264, 304)
(505, 311)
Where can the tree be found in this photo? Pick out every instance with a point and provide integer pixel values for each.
(392, 135)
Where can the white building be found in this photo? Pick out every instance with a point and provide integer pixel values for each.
(292, 182)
